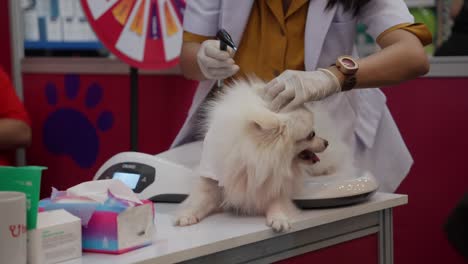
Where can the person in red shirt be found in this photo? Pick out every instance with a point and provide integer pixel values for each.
(15, 125)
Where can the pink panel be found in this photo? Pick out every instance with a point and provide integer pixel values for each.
(78, 123)
(432, 114)
(164, 102)
(5, 52)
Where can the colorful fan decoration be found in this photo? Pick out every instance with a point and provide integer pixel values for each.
(146, 34)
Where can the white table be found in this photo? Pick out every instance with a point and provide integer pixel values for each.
(225, 238)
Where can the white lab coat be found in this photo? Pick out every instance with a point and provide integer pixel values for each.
(361, 115)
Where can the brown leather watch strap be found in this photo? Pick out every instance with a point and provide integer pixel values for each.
(349, 82)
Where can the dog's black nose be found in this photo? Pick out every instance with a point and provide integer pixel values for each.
(325, 143)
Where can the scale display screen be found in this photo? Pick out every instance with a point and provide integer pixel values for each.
(130, 179)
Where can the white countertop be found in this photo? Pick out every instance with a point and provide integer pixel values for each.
(225, 231)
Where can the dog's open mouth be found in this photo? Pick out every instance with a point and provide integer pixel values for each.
(308, 155)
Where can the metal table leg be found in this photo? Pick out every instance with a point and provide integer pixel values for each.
(386, 237)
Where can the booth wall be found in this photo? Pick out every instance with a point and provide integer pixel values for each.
(5, 54)
(431, 113)
(164, 103)
(80, 121)
(70, 137)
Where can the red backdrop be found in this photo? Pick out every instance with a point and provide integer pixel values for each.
(431, 113)
(63, 171)
(433, 116)
(67, 119)
(164, 103)
(5, 55)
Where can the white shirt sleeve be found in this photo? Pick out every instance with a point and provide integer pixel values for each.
(201, 17)
(380, 15)
(210, 158)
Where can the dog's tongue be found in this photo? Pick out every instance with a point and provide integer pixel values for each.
(309, 155)
(315, 158)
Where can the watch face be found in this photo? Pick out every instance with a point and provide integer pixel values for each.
(348, 63)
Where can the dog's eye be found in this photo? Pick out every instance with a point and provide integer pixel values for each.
(311, 136)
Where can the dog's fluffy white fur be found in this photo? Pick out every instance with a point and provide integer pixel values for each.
(260, 157)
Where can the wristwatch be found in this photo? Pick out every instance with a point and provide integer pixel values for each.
(348, 66)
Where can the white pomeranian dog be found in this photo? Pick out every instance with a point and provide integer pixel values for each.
(254, 159)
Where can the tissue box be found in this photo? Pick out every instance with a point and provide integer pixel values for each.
(112, 228)
(113, 219)
(57, 238)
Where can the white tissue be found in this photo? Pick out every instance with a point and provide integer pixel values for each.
(98, 190)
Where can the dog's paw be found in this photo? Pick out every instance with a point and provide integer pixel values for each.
(186, 220)
(279, 224)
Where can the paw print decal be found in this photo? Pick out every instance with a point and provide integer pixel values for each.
(67, 130)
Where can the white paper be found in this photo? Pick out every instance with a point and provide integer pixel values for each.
(72, 30)
(54, 29)
(66, 8)
(43, 8)
(85, 30)
(90, 35)
(26, 3)
(79, 10)
(31, 26)
(98, 190)
(68, 31)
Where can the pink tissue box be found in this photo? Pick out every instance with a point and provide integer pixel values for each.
(113, 227)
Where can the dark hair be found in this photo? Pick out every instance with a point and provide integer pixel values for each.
(349, 5)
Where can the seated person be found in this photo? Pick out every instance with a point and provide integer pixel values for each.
(15, 130)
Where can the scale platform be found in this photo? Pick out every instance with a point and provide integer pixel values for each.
(168, 177)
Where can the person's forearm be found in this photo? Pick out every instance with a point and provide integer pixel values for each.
(188, 61)
(398, 61)
(14, 134)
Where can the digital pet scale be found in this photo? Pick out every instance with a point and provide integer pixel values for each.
(168, 177)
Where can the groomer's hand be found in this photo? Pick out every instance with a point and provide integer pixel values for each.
(215, 64)
(294, 88)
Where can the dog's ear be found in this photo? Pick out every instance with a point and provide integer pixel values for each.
(266, 124)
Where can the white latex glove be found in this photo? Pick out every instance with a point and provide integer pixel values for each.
(293, 88)
(215, 64)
